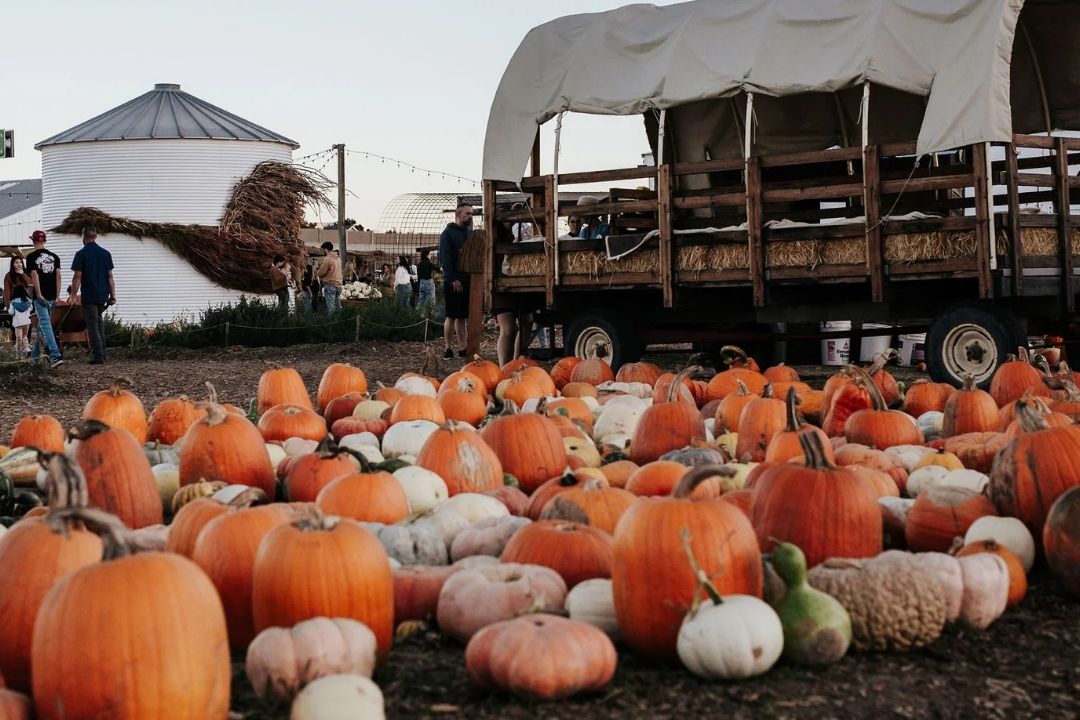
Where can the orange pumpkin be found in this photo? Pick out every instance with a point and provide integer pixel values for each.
(976, 450)
(463, 381)
(189, 521)
(517, 365)
(41, 431)
(118, 474)
(785, 445)
(576, 551)
(1042, 409)
(781, 373)
(742, 499)
(529, 447)
(828, 511)
(388, 395)
(282, 386)
(488, 372)
(884, 380)
(593, 371)
(307, 475)
(579, 390)
(1017, 577)
(227, 448)
(417, 407)
(640, 372)
(1069, 401)
(653, 583)
(342, 406)
(726, 382)
(619, 472)
(365, 496)
(759, 422)
(925, 396)
(339, 379)
(1031, 471)
(323, 566)
(878, 426)
(563, 369)
(969, 410)
(1061, 540)
(729, 410)
(118, 408)
(573, 408)
(942, 514)
(282, 422)
(848, 398)
(1016, 377)
(602, 505)
(518, 389)
(666, 426)
(172, 417)
(462, 459)
(464, 406)
(813, 406)
(657, 478)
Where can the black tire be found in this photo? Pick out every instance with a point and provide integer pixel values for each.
(974, 337)
(588, 329)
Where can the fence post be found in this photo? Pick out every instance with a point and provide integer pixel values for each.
(133, 336)
(226, 333)
(356, 335)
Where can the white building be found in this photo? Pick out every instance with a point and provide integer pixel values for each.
(20, 212)
(167, 157)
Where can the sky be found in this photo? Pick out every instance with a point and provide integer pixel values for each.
(407, 79)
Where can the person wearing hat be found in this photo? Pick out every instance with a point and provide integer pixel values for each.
(594, 226)
(43, 267)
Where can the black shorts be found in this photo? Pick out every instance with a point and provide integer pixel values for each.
(457, 303)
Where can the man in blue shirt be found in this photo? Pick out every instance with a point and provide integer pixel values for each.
(93, 267)
(455, 282)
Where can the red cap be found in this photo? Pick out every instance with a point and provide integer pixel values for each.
(38, 235)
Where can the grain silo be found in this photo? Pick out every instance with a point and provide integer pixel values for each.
(163, 157)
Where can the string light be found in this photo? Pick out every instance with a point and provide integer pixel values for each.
(412, 168)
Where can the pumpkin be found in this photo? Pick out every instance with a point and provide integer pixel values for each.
(883, 379)
(407, 438)
(487, 537)
(371, 409)
(281, 661)
(518, 364)
(579, 390)
(416, 590)
(519, 389)
(43, 432)
(190, 493)
(282, 386)
(730, 408)
(475, 597)
(652, 583)
(563, 369)
(817, 628)
(488, 372)
(371, 496)
(352, 425)
(515, 501)
(1016, 377)
(1017, 576)
(785, 445)
(225, 550)
(925, 396)
(877, 426)
(566, 481)
(528, 446)
(326, 566)
(196, 514)
(417, 407)
(119, 408)
(227, 448)
(619, 417)
(939, 458)
(282, 422)
(618, 472)
(976, 450)
(1043, 410)
(1069, 401)
(593, 371)
(890, 464)
(969, 410)
(593, 602)
(813, 406)
(565, 657)
(781, 373)
(342, 697)
(663, 386)
(986, 589)
(848, 399)
(760, 420)
(942, 514)
(1031, 471)
(601, 505)
(656, 478)
(34, 555)
(462, 459)
(574, 550)
(308, 474)
(343, 406)
(183, 664)
(172, 417)
(572, 408)
(638, 372)
(1005, 531)
(1061, 540)
(459, 512)
(339, 379)
(464, 402)
(15, 706)
(118, 474)
(828, 511)
(729, 638)
(668, 425)
(739, 368)
(424, 489)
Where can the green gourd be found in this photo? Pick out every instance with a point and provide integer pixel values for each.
(817, 628)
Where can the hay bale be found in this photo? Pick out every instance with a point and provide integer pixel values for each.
(1037, 241)
(727, 256)
(938, 245)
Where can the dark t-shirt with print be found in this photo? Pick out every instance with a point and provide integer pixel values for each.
(94, 262)
(46, 264)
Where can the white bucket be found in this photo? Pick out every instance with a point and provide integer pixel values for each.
(835, 351)
(912, 349)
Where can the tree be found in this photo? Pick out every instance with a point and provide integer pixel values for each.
(349, 224)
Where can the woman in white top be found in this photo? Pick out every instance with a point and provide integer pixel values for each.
(403, 282)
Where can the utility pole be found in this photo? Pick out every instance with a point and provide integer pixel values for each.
(341, 205)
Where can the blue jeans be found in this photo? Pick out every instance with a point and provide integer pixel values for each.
(43, 309)
(332, 293)
(403, 293)
(427, 294)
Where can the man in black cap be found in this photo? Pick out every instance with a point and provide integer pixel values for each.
(43, 267)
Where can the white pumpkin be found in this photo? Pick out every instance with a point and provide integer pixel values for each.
(1008, 532)
(370, 409)
(167, 477)
(533, 404)
(894, 511)
(297, 447)
(407, 438)
(474, 507)
(921, 480)
(593, 602)
(910, 455)
(276, 453)
(229, 493)
(967, 479)
(739, 638)
(445, 522)
(619, 417)
(339, 697)
(363, 438)
(619, 441)
(986, 589)
(592, 403)
(633, 389)
(950, 578)
(411, 459)
(414, 385)
(931, 423)
(424, 489)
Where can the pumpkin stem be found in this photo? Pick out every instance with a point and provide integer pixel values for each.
(883, 359)
(562, 509)
(677, 382)
(87, 428)
(118, 386)
(734, 356)
(767, 392)
(969, 383)
(1031, 420)
(865, 379)
(249, 498)
(793, 402)
(813, 450)
(327, 446)
(1060, 384)
(211, 393)
(743, 391)
(699, 575)
(65, 484)
(117, 539)
(365, 464)
(568, 479)
(695, 477)
(509, 408)
(1023, 355)
(541, 406)
(315, 521)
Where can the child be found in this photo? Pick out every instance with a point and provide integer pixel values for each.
(20, 320)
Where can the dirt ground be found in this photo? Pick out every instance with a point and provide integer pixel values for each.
(1027, 665)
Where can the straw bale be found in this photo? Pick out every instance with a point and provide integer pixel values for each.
(937, 245)
(1037, 241)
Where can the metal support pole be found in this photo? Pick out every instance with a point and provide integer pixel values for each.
(341, 204)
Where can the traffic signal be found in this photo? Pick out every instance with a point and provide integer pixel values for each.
(7, 148)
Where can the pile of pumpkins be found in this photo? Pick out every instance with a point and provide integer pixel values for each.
(725, 523)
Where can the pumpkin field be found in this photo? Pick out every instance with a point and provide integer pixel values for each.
(337, 532)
